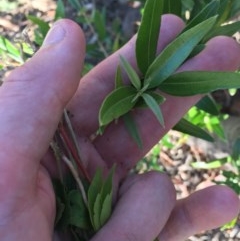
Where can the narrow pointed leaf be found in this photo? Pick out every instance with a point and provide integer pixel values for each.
(79, 213)
(198, 49)
(209, 105)
(43, 26)
(227, 30)
(208, 11)
(153, 105)
(100, 24)
(132, 129)
(210, 165)
(176, 53)
(60, 10)
(10, 49)
(148, 33)
(96, 213)
(224, 11)
(116, 104)
(187, 127)
(158, 98)
(118, 78)
(93, 191)
(199, 82)
(236, 149)
(173, 6)
(106, 209)
(131, 73)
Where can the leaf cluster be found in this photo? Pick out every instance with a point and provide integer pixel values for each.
(158, 72)
(84, 219)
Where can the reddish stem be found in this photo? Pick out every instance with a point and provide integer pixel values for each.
(73, 152)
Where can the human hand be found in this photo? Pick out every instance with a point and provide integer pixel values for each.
(32, 100)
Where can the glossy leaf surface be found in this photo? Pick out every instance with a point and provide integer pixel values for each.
(208, 104)
(153, 105)
(199, 82)
(187, 127)
(208, 11)
(132, 75)
(176, 53)
(132, 129)
(148, 33)
(116, 104)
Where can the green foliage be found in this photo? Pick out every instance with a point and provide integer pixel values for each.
(100, 199)
(208, 104)
(41, 31)
(74, 213)
(131, 126)
(199, 82)
(60, 10)
(159, 71)
(207, 121)
(148, 34)
(187, 127)
(116, 104)
(7, 48)
(173, 6)
(176, 53)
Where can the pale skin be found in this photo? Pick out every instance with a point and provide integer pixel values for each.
(32, 99)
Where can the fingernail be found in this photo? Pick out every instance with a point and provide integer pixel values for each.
(55, 35)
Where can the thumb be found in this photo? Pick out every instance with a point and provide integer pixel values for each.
(33, 96)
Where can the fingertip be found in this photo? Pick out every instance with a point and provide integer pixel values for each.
(212, 207)
(220, 54)
(227, 49)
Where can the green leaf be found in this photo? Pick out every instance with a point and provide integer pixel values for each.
(224, 11)
(106, 209)
(148, 33)
(208, 104)
(60, 10)
(197, 7)
(153, 105)
(106, 197)
(116, 104)
(79, 213)
(208, 11)
(227, 30)
(99, 24)
(10, 49)
(236, 149)
(199, 82)
(198, 49)
(96, 213)
(210, 165)
(131, 73)
(101, 206)
(158, 98)
(93, 191)
(118, 78)
(173, 6)
(43, 26)
(187, 127)
(76, 4)
(176, 53)
(132, 129)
